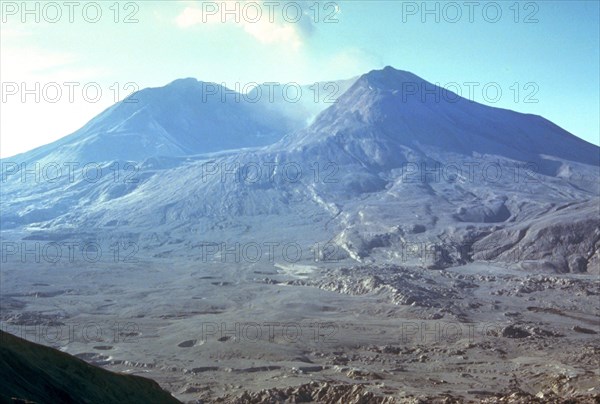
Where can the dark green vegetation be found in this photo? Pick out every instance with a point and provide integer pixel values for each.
(35, 373)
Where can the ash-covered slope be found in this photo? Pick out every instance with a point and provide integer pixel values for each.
(34, 373)
(426, 176)
(389, 110)
(182, 118)
(385, 174)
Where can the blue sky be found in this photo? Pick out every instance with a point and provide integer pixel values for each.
(543, 56)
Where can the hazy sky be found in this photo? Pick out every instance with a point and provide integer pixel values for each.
(543, 56)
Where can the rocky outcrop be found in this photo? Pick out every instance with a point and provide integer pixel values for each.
(314, 392)
(562, 241)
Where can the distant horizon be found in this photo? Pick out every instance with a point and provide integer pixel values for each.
(530, 59)
(355, 78)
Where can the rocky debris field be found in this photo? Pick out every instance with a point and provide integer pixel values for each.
(352, 334)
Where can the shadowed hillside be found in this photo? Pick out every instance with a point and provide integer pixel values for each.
(35, 373)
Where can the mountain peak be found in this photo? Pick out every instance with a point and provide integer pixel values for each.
(389, 110)
(184, 82)
(389, 78)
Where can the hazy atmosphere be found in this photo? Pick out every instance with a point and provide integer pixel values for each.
(299, 201)
(542, 57)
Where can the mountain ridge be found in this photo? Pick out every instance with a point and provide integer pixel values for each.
(415, 121)
(35, 373)
(369, 175)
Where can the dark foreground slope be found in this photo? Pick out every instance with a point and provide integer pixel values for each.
(40, 374)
